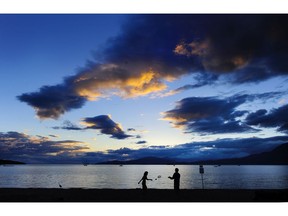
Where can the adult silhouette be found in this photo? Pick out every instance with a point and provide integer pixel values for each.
(143, 179)
(176, 177)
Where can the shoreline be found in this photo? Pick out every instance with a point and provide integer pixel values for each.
(138, 195)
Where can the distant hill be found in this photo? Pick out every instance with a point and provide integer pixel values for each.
(145, 160)
(278, 156)
(10, 162)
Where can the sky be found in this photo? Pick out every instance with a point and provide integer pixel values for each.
(96, 87)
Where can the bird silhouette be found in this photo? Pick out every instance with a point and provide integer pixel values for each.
(60, 185)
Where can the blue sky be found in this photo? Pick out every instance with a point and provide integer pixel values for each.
(91, 88)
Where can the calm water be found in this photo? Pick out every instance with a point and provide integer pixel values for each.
(127, 176)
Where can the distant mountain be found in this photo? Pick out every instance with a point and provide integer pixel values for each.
(278, 156)
(10, 162)
(145, 160)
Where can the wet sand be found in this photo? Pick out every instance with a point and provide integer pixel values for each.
(137, 195)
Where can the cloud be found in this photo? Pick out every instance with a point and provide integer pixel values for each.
(53, 101)
(154, 49)
(231, 42)
(39, 149)
(209, 115)
(131, 129)
(95, 81)
(216, 115)
(217, 149)
(54, 136)
(141, 142)
(202, 79)
(67, 125)
(276, 118)
(34, 149)
(106, 125)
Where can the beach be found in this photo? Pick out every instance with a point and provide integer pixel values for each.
(138, 195)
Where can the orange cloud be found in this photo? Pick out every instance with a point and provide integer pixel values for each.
(111, 79)
(199, 48)
(181, 49)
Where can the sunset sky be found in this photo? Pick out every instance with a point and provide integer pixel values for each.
(92, 88)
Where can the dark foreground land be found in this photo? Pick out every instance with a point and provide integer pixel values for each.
(137, 195)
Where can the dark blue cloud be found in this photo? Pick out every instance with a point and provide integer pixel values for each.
(54, 136)
(242, 48)
(218, 126)
(29, 149)
(276, 118)
(131, 129)
(217, 149)
(103, 123)
(209, 115)
(53, 101)
(67, 125)
(106, 126)
(141, 142)
(219, 43)
(38, 149)
(214, 115)
(200, 80)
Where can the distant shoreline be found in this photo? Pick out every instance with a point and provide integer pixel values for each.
(10, 162)
(138, 195)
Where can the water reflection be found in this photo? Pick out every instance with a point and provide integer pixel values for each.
(127, 176)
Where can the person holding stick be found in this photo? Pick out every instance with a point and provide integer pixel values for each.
(144, 178)
(176, 177)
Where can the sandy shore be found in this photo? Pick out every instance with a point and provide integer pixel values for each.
(137, 195)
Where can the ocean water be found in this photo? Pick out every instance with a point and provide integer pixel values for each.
(127, 176)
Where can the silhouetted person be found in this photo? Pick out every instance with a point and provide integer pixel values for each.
(176, 177)
(144, 178)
